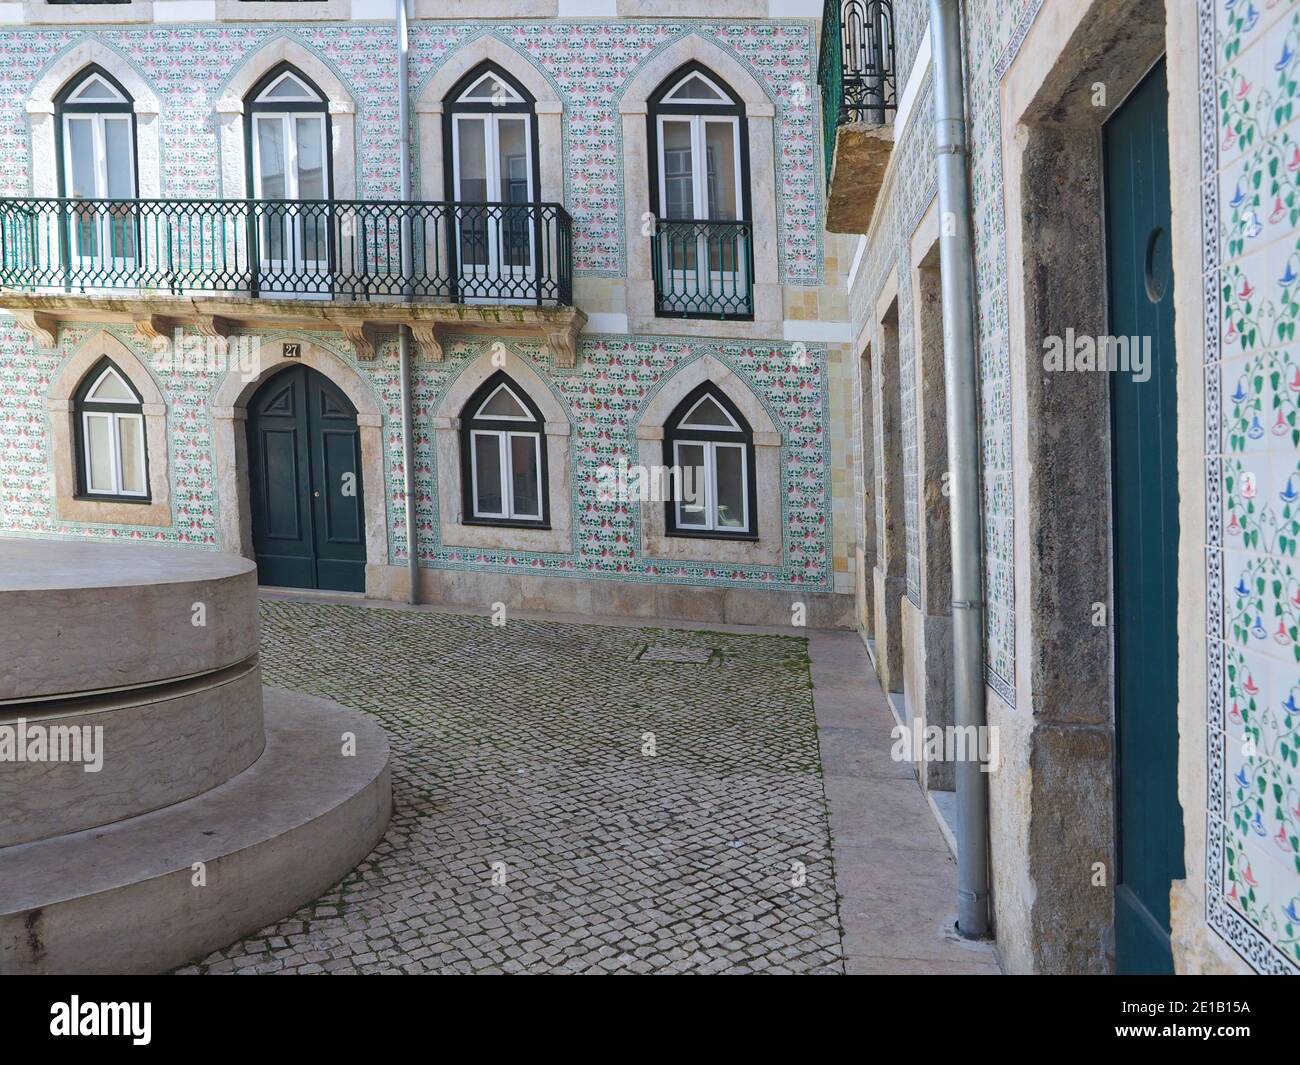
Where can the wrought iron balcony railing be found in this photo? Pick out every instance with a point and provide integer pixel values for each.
(856, 70)
(703, 269)
(454, 252)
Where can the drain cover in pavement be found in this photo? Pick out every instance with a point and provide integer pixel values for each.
(657, 652)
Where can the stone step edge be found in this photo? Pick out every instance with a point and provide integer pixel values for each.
(123, 898)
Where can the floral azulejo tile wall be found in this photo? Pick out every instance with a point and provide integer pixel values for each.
(589, 62)
(1251, 186)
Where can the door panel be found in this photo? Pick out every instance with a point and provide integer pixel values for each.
(308, 506)
(1145, 529)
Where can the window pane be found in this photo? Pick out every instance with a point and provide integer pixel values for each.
(471, 160)
(707, 412)
(130, 436)
(512, 146)
(99, 448)
(679, 188)
(311, 158)
(730, 483)
(95, 88)
(117, 149)
(525, 475)
(503, 404)
(487, 474)
(111, 389)
(288, 88)
(695, 88)
(692, 505)
(81, 157)
(270, 157)
(720, 157)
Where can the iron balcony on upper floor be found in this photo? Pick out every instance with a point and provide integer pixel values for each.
(355, 264)
(859, 92)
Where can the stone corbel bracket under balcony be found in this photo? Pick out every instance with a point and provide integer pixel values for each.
(862, 152)
(362, 324)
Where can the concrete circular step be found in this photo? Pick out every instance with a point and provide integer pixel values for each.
(152, 892)
(111, 756)
(81, 616)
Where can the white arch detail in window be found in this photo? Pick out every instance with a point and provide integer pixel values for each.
(112, 432)
(506, 464)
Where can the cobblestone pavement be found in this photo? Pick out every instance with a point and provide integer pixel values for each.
(524, 751)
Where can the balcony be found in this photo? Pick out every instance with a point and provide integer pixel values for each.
(354, 266)
(859, 97)
(703, 269)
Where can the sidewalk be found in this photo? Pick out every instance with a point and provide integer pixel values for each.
(896, 879)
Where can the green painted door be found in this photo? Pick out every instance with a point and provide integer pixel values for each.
(304, 461)
(1145, 527)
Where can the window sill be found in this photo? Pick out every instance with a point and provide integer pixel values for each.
(492, 523)
(99, 510)
(685, 534)
(135, 501)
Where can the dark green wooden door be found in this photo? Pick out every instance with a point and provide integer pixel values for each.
(1145, 528)
(304, 460)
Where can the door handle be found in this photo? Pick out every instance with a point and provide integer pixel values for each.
(316, 494)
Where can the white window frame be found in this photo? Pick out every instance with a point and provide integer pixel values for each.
(504, 438)
(719, 280)
(103, 224)
(710, 448)
(492, 172)
(292, 241)
(115, 420)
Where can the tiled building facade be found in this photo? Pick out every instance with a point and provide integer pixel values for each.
(189, 82)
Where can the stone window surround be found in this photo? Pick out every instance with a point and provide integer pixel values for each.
(760, 117)
(41, 114)
(768, 549)
(63, 438)
(548, 112)
(447, 442)
(229, 410)
(340, 103)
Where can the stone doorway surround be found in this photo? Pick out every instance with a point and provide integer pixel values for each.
(229, 408)
(927, 622)
(1049, 837)
(889, 577)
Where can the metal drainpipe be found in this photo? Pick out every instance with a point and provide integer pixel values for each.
(404, 331)
(957, 269)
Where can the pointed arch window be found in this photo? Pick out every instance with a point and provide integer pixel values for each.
(700, 197)
(111, 452)
(288, 136)
(95, 124)
(711, 448)
(492, 157)
(503, 456)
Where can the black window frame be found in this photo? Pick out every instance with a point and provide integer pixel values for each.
(535, 426)
(252, 107)
(673, 434)
(97, 107)
(656, 108)
(452, 106)
(79, 407)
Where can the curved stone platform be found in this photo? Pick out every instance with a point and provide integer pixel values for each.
(154, 745)
(85, 616)
(123, 898)
(154, 809)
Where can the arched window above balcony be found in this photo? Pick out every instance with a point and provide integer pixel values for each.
(96, 129)
(699, 192)
(288, 136)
